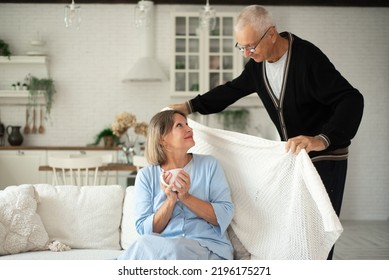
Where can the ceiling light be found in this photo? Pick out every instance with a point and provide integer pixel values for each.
(73, 15)
(208, 17)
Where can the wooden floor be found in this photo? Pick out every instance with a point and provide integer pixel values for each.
(363, 240)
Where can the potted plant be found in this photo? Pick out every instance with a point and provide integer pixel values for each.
(45, 86)
(4, 49)
(109, 138)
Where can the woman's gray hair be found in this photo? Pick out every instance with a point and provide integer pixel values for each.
(257, 16)
(160, 125)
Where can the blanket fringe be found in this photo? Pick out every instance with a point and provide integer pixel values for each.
(58, 246)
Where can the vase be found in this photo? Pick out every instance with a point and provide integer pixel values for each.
(15, 138)
(128, 147)
(129, 152)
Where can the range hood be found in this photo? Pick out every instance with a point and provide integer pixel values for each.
(146, 67)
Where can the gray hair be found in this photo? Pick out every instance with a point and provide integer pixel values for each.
(160, 125)
(257, 16)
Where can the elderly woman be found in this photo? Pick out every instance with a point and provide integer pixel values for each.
(183, 204)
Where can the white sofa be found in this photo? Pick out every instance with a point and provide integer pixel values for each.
(282, 210)
(87, 223)
(93, 221)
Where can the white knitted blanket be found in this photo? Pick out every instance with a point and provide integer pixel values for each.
(282, 210)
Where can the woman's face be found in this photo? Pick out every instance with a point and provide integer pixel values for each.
(181, 135)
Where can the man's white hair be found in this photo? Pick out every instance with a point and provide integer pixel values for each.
(257, 16)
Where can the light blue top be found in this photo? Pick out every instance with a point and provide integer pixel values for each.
(208, 183)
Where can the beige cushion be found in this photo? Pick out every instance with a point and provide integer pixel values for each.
(85, 217)
(129, 233)
(21, 228)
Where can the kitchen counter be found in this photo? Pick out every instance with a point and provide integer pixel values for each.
(64, 148)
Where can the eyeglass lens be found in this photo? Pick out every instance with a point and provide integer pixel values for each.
(251, 49)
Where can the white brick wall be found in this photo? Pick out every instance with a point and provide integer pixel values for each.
(89, 64)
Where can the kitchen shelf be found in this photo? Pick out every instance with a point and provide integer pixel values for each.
(18, 97)
(15, 67)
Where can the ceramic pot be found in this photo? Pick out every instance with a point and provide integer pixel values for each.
(15, 138)
(108, 141)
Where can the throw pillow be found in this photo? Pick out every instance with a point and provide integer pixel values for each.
(86, 217)
(21, 228)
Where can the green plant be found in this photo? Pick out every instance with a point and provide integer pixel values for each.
(235, 119)
(104, 133)
(45, 86)
(4, 49)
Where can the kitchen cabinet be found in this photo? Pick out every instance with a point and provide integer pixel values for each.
(21, 167)
(15, 69)
(203, 59)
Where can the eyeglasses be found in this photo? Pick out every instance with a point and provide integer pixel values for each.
(251, 49)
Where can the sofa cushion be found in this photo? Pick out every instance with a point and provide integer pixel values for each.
(129, 233)
(86, 217)
(74, 254)
(21, 228)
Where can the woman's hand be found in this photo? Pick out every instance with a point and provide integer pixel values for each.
(163, 214)
(167, 189)
(182, 185)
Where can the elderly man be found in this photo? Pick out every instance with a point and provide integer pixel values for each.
(312, 105)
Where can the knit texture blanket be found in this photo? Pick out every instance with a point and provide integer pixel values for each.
(282, 210)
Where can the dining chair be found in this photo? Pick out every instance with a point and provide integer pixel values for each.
(106, 159)
(80, 170)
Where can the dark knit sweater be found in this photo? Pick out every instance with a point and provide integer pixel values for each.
(315, 99)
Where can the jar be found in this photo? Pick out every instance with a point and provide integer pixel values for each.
(15, 138)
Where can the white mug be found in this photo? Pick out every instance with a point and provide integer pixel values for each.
(174, 173)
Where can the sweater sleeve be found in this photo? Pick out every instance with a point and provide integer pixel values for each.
(333, 90)
(220, 198)
(143, 206)
(220, 97)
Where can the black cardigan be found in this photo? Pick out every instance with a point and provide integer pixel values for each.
(315, 100)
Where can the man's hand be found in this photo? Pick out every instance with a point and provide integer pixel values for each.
(309, 143)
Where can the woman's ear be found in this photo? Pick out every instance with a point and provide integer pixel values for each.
(162, 142)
